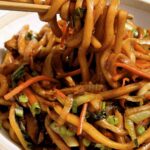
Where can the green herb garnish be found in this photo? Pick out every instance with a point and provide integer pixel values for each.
(77, 17)
(62, 130)
(75, 107)
(140, 130)
(136, 143)
(100, 115)
(86, 142)
(19, 111)
(79, 12)
(30, 36)
(18, 74)
(23, 98)
(103, 106)
(112, 120)
(135, 33)
(35, 109)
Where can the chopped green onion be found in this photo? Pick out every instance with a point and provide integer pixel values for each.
(79, 12)
(55, 127)
(86, 142)
(30, 36)
(19, 111)
(136, 143)
(23, 98)
(19, 73)
(140, 130)
(112, 120)
(70, 133)
(62, 130)
(75, 107)
(135, 33)
(100, 115)
(103, 105)
(35, 109)
(22, 127)
(77, 16)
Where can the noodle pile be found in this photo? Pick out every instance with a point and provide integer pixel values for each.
(80, 83)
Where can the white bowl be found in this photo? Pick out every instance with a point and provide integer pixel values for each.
(12, 22)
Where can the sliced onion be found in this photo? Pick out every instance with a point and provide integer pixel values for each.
(68, 102)
(16, 128)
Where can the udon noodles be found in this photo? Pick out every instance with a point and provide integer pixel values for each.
(80, 83)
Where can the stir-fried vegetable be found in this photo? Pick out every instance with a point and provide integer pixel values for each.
(30, 36)
(77, 17)
(112, 120)
(18, 74)
(35, 109)
(140, 130)
(23, 98)
(74, 106)
(86, 142)
(135, 33)
(19, 111)
(62, 130)
(140, 116)
(129, 125)
(66, 134)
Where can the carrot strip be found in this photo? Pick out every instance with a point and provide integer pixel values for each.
(71, 73)
(99, 137)
(61, 94)
(133, 70)
(26, 84)
(140, 48)
(147, 96)
(82, 117)
(118, 76)
(108, 134)
(31, 96)
(55, 138)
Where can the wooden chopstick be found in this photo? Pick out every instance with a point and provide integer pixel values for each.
(5, 5)
(20, 1)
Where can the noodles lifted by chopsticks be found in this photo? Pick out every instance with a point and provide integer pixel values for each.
(82, 82)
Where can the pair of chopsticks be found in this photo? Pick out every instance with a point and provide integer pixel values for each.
(18, 6)
(27, 5)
